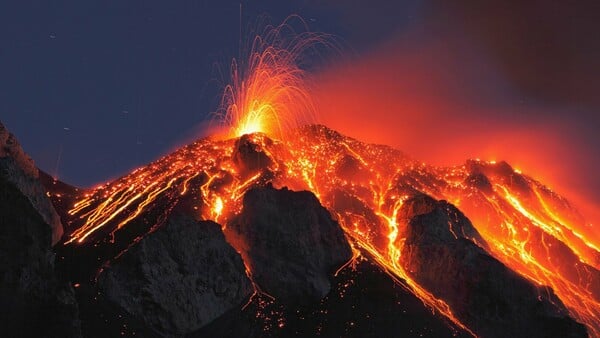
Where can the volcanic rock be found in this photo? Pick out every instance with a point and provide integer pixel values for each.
(485, 295)
(18, 168)
(249, 156)
(179, 278)
(33, 302)
(479, 181)
(377, 230)
(62, 195)
(502, 170)
(290, 243)
(363, 302)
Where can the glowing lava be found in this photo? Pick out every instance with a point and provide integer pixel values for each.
(269, 92)
(526, 226)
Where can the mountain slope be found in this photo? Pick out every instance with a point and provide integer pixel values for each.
(520, 223)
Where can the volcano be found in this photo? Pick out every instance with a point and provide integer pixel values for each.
(278, 226)
(313, 234)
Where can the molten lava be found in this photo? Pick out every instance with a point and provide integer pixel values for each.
(525, 225)
(269, 91)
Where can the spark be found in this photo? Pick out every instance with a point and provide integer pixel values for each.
(269, 92)
(532, 232)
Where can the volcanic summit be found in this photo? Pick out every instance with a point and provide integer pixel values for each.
(284, 227)
(315, 234)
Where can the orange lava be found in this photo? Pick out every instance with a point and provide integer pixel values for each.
(269, 92)
(527, 226)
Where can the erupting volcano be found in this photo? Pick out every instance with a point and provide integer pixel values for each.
(489, 250)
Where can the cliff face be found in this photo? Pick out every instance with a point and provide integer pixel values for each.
(179, 278)
(290, 243)
(33, 300)
(145, 264)
(439, 253)
(18, 168)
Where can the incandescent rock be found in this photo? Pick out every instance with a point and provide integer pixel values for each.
(19, 169)
(179, 278)
(33, 302)
(492, 300)
(289, 242)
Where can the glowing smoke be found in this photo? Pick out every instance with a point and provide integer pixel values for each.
(434, 95)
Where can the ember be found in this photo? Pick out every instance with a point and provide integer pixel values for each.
(522, 223)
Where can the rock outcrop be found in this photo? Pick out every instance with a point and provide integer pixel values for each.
(17, 167)
(492, 300)
(289, 242)
(249, 155)
(33, 301)
(179, 278)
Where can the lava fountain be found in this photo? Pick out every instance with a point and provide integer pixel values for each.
(269, 91)
(527, 227)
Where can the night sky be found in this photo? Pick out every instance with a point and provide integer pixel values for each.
(93, 89)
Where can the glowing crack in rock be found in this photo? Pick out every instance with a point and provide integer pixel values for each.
(527, 227)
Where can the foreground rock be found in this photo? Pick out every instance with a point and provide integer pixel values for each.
(19, 169)
(363, 302)
(290, 243)
(33, 302)
(179, 278)
(439, 253)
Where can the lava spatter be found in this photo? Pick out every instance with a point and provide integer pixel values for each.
(523, 224)
(364, 186)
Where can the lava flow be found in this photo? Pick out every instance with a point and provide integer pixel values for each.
(524, 224)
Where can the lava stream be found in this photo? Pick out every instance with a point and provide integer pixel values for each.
(525, 225)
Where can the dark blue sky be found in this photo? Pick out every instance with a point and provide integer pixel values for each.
(110, 85)
(93, 89)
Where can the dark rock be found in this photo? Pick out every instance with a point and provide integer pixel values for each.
(456, 224)
(33, 302)
(363, 302)
(485, 295)
(179, 278)
(290, 243)
(249, 154)
(347, 167)
(502, 171)
(10, 147)
(373, 225)
(18, 168)
(63, 196)
(479, 181)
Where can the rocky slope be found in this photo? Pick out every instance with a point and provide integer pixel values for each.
(179, 278)
(489, 298)
(166, 273)
(17, 167)
(34, 302)
(290, 243)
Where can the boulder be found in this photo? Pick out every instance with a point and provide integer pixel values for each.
(492, 300)
(179, 278)
(289, 242)
(33, 300)
(17, 167)
(249, 154)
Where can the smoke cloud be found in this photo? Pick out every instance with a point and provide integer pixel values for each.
(457, 86)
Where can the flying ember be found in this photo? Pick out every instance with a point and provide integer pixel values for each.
(269, 91)
(272, 139)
